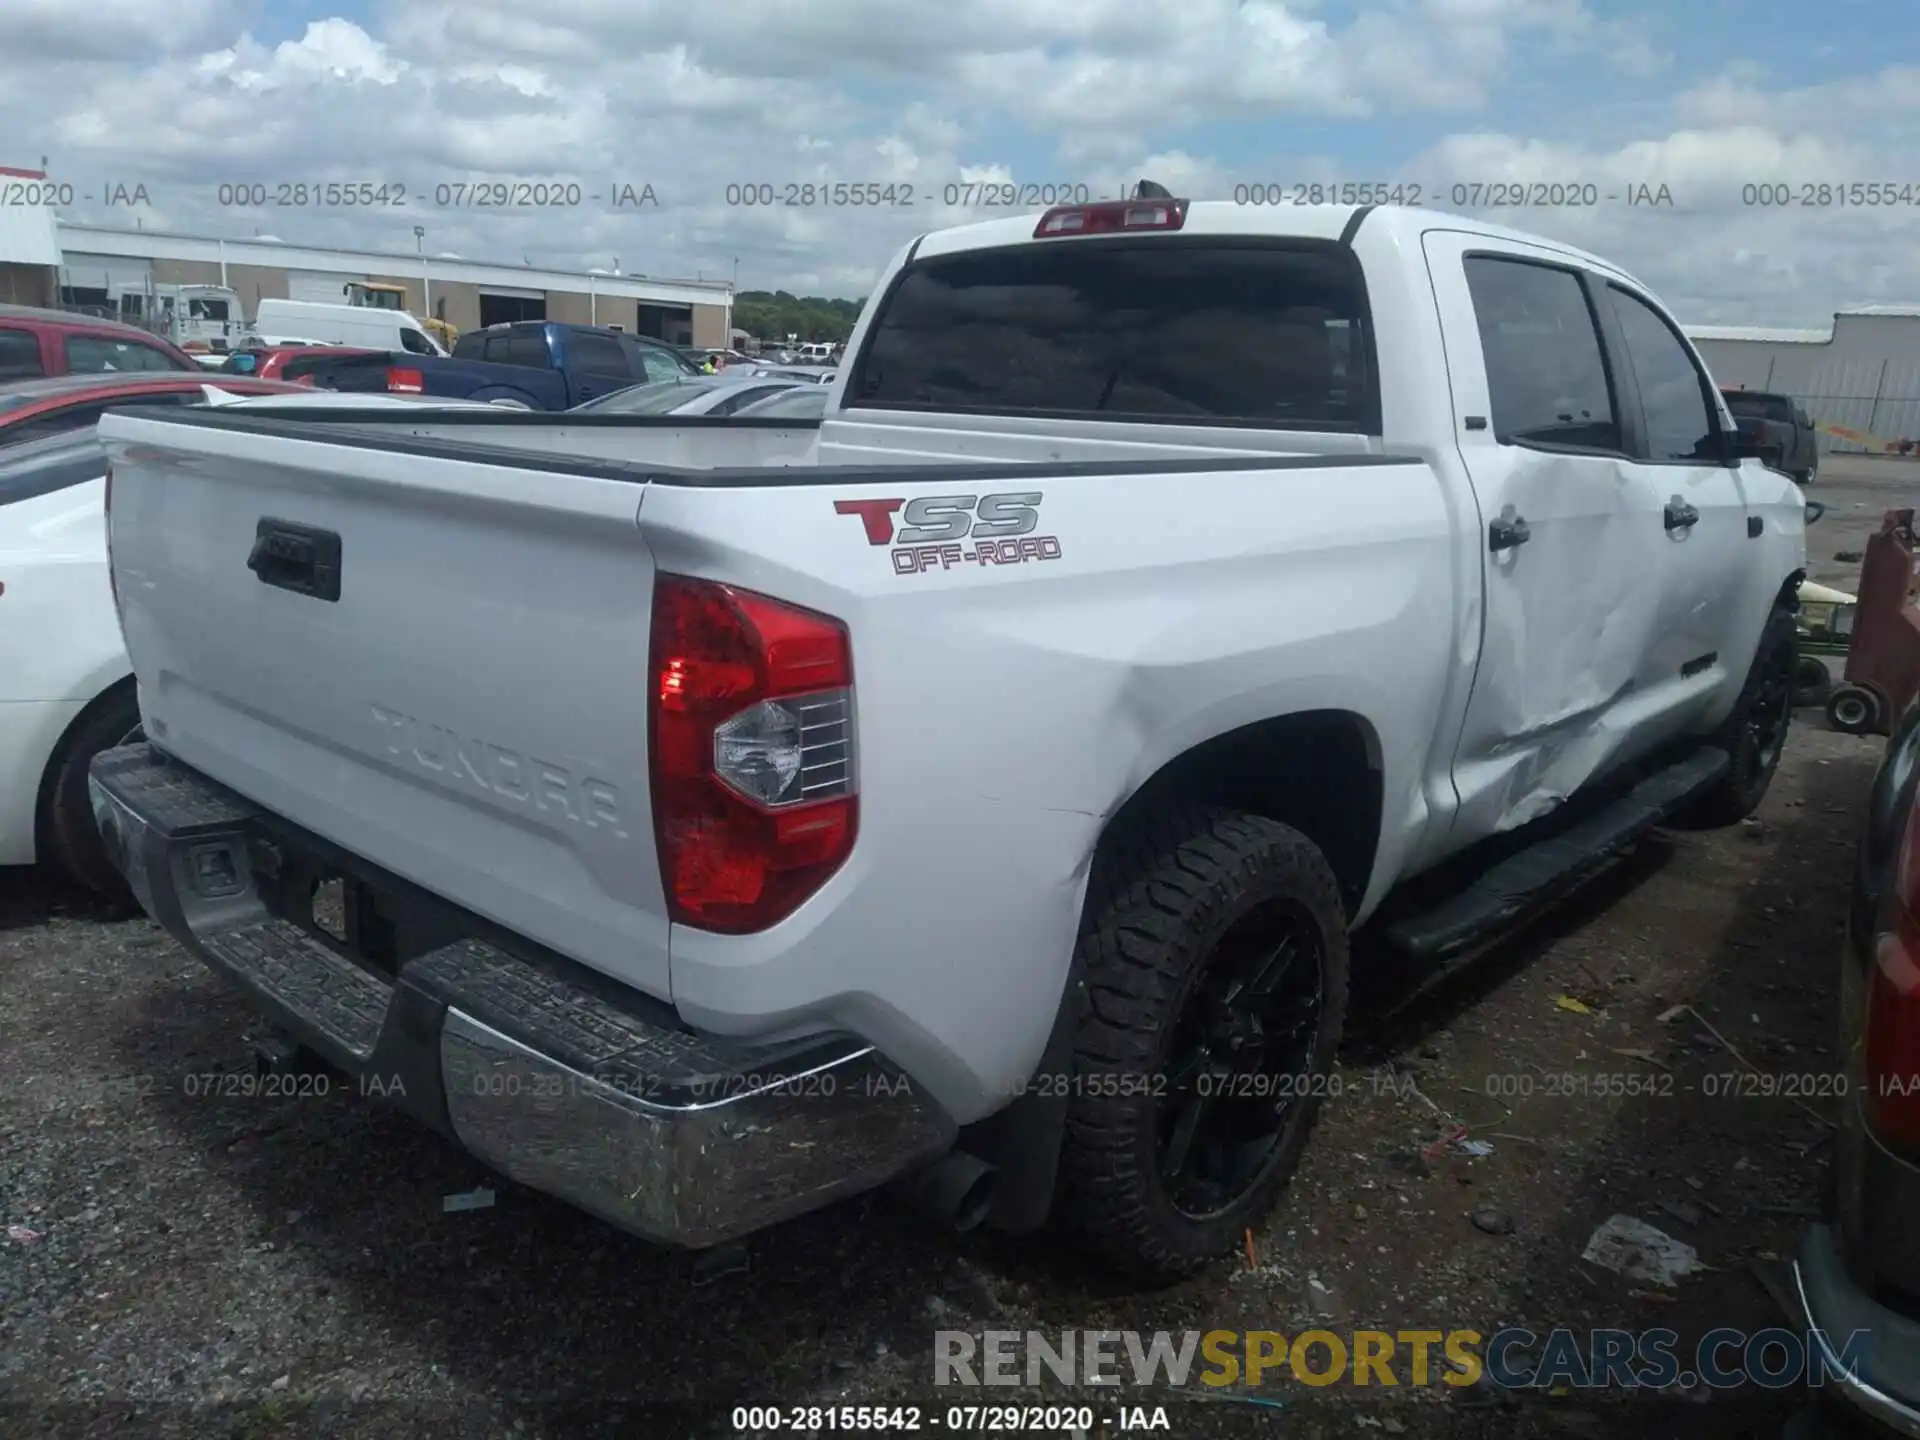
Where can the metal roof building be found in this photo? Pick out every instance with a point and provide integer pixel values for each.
(1861, 373)
(45, 260)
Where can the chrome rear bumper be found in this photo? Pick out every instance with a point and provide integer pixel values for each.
(549, 1073)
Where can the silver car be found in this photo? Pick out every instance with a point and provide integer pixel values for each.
(798, 402)
(721, 394)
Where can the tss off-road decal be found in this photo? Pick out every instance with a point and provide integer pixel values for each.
(941, 531)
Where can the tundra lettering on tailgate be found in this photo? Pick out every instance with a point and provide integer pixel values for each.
(947, 530)
(466, 762)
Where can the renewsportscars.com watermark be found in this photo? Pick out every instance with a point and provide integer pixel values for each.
(1514, 1358)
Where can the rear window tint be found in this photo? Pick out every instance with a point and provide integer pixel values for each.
(1202, 332)
(20, 355)
(528, 348)
(1760, 407)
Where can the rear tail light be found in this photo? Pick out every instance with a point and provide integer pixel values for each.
(754, 799)
(1892, 1049)
(404, 382)
(1111, 217)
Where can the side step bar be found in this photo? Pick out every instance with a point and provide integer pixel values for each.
(1529, 878)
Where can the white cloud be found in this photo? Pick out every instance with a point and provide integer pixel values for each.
(692, 99)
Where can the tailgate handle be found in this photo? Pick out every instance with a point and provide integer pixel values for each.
(295, 557)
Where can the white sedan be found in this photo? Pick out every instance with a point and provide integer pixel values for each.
(66, 688)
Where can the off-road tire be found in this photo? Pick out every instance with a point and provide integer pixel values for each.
(68, 836)
(1162, 894)
(1770, 682)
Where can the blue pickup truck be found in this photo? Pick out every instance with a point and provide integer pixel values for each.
(536, 364)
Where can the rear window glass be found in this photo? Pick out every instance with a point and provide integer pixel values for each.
(102, 354)
(19, 355)
(1161, 330)
(1760, 407)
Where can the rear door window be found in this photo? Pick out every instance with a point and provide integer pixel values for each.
(528, 348)
(1546, 376)
(1202, 332)
(103, 354)
(598, 354)
(20, 355)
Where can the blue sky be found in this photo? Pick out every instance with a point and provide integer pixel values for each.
(1703, 96)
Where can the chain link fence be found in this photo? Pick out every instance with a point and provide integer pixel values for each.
(1876, 401)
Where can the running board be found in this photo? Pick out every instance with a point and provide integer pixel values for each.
(1529, 878)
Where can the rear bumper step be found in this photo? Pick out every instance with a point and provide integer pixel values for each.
(551, 1075)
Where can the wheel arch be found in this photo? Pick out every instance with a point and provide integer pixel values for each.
(49, 772)
(1319, 771)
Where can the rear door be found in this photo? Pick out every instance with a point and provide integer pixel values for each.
(1570, 532)
(596, 364)
(1673, 429)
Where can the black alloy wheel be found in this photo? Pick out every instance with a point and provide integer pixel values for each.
(1240, 1059)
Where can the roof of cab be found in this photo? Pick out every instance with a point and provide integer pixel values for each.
(1406, 223)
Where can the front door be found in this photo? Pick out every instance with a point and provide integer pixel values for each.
(1700, 647)
(1570, 533)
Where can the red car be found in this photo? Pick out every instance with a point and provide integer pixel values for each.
(30, 409)
(34, 343)
(290, 362)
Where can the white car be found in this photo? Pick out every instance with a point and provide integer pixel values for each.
(66, 688)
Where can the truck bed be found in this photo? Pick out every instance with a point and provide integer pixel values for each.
(471, 712)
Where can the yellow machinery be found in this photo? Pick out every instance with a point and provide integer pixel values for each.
(377, 295)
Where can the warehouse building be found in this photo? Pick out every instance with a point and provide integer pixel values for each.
(48, 261)
(98, 263)
(1862, 373)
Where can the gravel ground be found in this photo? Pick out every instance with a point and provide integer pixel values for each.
(209, 1264)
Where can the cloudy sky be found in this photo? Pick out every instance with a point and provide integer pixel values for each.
(1709, 98)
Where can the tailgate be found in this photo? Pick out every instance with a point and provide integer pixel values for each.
(469, 711)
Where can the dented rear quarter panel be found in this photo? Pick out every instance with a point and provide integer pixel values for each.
(1005, 711)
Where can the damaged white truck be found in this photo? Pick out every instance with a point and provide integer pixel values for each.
(978, 788)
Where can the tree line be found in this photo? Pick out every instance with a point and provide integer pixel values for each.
(774, 315)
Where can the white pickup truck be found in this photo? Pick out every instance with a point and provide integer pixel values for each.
(977, 788)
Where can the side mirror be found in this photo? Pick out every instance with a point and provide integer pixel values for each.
(1815, 510)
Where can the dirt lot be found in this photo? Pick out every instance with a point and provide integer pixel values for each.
(226, 1266)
